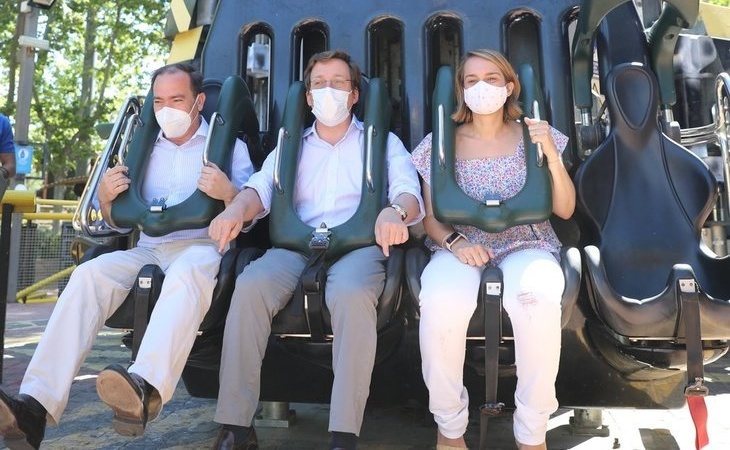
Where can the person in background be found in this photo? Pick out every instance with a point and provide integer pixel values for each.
(7, 153)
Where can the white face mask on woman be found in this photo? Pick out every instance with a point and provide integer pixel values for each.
(330, 105)
(173, 122)
(485, 98)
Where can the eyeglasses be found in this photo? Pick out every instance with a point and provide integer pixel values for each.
(338, 83)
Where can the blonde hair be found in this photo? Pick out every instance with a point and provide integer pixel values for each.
(511, 110)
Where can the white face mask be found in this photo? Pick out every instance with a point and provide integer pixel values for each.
(330, 105)
(173, 122)
(484, 98)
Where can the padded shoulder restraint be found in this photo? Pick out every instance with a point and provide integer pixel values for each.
(285, 227)
(130, 210)
(450, 203)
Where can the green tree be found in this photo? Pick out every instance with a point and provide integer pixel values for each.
(101, 52)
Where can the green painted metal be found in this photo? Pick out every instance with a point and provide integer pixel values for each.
(285, 227)
(677, 14)
(663, 36)
(591, 14)
(450, 203)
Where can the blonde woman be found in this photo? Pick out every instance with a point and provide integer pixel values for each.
(490, 161)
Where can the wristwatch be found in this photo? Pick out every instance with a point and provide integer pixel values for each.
(400, 210)
(452, 239)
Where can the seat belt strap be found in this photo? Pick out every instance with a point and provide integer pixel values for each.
(490, 293)
(313, 279)
(146, 291)
(696, 390)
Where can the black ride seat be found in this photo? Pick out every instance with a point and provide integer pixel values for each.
(648, 225)
(205, 354)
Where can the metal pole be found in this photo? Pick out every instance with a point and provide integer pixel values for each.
(7, 215)
(25, 79)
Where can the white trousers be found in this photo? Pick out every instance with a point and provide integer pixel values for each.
(533, 287)
(96, 289)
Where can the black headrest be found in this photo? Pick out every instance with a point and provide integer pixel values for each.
(212, 90)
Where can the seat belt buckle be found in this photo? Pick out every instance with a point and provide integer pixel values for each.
(491, 409)
(158, 205)
(320, 238)
(697, 389)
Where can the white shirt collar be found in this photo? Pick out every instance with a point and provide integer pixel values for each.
(354, 122)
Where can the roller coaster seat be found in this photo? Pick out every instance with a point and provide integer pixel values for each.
(137, 307)
(639, 254)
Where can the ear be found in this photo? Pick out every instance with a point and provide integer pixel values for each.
(355, 96)
(510, 88)
(201, 101)
(310, 100)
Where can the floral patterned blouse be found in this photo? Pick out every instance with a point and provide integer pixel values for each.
(499, 177)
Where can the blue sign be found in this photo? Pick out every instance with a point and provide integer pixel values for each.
(23, 159)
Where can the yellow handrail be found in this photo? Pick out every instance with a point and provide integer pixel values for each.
(54, 202)
(48, 216)
(35, 286)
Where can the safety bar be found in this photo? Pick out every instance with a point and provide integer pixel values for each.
(722, 92)
(216, 120)
(663, 37)
(132, 123)
(277, 160)
(369, 158)
(87, 219)
(676, 15)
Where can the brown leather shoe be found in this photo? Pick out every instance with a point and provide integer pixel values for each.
(133, 400)
(227, 441)
(22, 421)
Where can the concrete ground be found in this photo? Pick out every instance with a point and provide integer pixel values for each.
(187, 423)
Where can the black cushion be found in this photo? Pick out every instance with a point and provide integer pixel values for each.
(647, 198)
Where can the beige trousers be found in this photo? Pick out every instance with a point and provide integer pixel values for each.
(354, 284)
(96, 289)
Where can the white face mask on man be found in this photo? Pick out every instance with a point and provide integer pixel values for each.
(330, 105)
(173, 122)
(485, 98)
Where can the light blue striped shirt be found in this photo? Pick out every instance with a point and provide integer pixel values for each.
(173, 172)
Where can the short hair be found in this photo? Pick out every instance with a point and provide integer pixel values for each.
(512, 110)
(328, 56)
(196, 78)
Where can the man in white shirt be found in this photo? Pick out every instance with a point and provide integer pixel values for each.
(98, 287)
(328, 189)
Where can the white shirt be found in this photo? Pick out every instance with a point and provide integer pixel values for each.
(173, 172)
(329, 177)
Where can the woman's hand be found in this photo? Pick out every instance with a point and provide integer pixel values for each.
(472, 254)
(540, 134)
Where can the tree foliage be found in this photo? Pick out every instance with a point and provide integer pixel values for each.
(101, 52)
